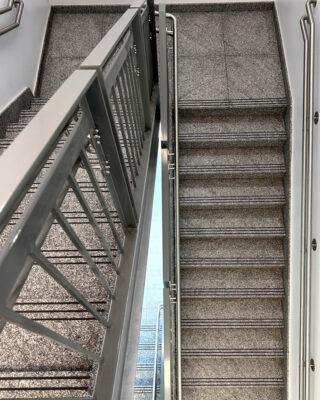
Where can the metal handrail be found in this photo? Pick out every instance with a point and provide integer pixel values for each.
(303, 20)
(177, 206)
(8, 8)
(306, 216)
(165, 140)
(156, 351)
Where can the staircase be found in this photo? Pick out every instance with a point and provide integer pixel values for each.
(233, 188)
(32, 366)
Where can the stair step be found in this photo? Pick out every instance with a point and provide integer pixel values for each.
(234, 382)
(231, 293)
(231, 370)
(234, 282)
(221, 223)
(232, 201)
(233, 232)
(229, 130)
(258, 170)
(233, 249)
(232, 106)
(209, 139)
(228, 340)
(254, 309)
(232, 323)
(232, 353)
(232, 162)
(272, 262)
(231, 392)
(228, 193)
(32, 352)
(61, 383)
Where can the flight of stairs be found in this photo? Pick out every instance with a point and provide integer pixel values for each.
(145, 363)
(232, 197)
(232, 229)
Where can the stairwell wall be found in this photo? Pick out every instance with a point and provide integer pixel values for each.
(20, 50)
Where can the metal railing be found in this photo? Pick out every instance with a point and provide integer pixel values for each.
(308, 32)
(171, 235)
(8, 8)
(97, 134)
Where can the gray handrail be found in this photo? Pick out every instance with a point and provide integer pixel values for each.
(165, 140)
(303, 20)
(156, 351)
(8, 8)
(306, 217)
(177, 205)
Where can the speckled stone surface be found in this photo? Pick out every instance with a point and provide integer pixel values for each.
(230, 123)
(241, 48)
(235, 368)
(235, 278)
(234, 248)
(67, 45)
(203, 309)
(232, 339)
(227, 393)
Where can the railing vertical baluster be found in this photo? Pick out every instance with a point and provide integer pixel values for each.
(133, 111)
(134, 150)
(138, 36)
(124, 137)
(138, 93)
(111, 147)
(135, 100)
(129, 113)
(153, 40)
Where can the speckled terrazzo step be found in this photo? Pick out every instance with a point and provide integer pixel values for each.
(234, 106)
(247, 279)
(23, 350)
(231, 370)
(232, 323)
(227, 193)
(240, 309)
(234, 382)
(232, 162)
(227, 393)
(44, 384)
(255, 251)
(230, 130)
(231, 293)
(231, 342)
(221, 223)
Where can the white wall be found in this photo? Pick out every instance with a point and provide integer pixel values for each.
(290, 12)
(20, 49)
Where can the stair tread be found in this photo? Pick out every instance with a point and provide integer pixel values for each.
(231, 292)
(277, 262)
